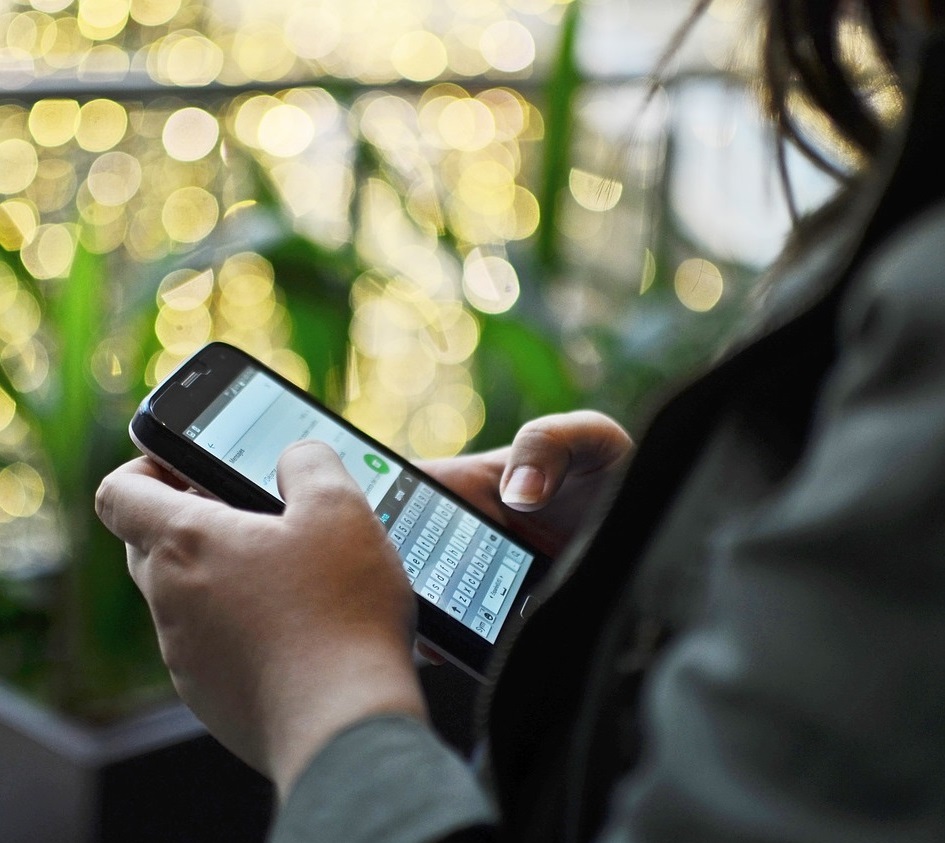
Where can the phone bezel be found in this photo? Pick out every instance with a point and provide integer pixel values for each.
(195, 466)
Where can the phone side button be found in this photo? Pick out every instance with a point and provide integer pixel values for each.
(528, 606)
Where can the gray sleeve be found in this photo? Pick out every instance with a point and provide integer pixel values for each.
(809, 703)
(386, 779)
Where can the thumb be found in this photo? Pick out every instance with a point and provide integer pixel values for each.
(309, 472)
(547, 450)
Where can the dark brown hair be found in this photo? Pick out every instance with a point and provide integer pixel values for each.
(807, 58)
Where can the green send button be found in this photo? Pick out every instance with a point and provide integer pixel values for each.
(376, 463)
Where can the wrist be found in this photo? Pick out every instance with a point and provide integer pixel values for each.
(322, 705)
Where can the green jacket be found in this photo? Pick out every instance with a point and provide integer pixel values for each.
(749, 644)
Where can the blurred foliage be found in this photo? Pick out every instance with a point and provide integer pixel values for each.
(77, 634)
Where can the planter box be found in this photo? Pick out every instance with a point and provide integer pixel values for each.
(156, 777)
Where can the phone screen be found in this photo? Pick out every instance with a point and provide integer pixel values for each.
(452, 558)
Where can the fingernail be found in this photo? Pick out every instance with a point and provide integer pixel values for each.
(525, 485)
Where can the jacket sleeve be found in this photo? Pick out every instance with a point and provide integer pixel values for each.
(808, 703)
(390, 779)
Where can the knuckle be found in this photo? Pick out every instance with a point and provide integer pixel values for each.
(181, 541)
(104, 500)
(306, 448)
(174, 652)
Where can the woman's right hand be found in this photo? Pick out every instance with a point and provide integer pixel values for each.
(542, 484)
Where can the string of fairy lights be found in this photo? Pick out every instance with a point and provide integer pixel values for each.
(134, 129)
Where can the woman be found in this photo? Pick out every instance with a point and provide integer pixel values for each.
(744, 640)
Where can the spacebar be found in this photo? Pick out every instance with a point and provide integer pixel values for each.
(499, 589)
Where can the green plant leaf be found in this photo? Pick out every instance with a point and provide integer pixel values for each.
(75, 316)
(316, 283)
(563, 83)
(25, 405)
(523, 374)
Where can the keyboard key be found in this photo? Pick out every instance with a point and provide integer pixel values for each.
(481, 626)
(473, 571)
(449, 561)
(491, 538)
(499, 589)
(510, 562)
(417, 561)
(425, 543)
(486, 615)
(467, 589)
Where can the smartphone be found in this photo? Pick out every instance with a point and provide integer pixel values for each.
(222, 419)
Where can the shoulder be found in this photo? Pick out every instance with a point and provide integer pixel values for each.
(899, 287)
(910, 259)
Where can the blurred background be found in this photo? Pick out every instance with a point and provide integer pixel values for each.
(442, 217)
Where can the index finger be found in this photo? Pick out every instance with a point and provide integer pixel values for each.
(135, 499)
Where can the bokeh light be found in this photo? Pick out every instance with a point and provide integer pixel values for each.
(54, 122)
(419, 56)
(698, 284)
(190, 134)
(49, 253)
(114, 178)
(594, 192)
(19, 219)
(18, 165)
(508, 46)
(159, 149)
(490, 282)
(189, 214)
(21, 490)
